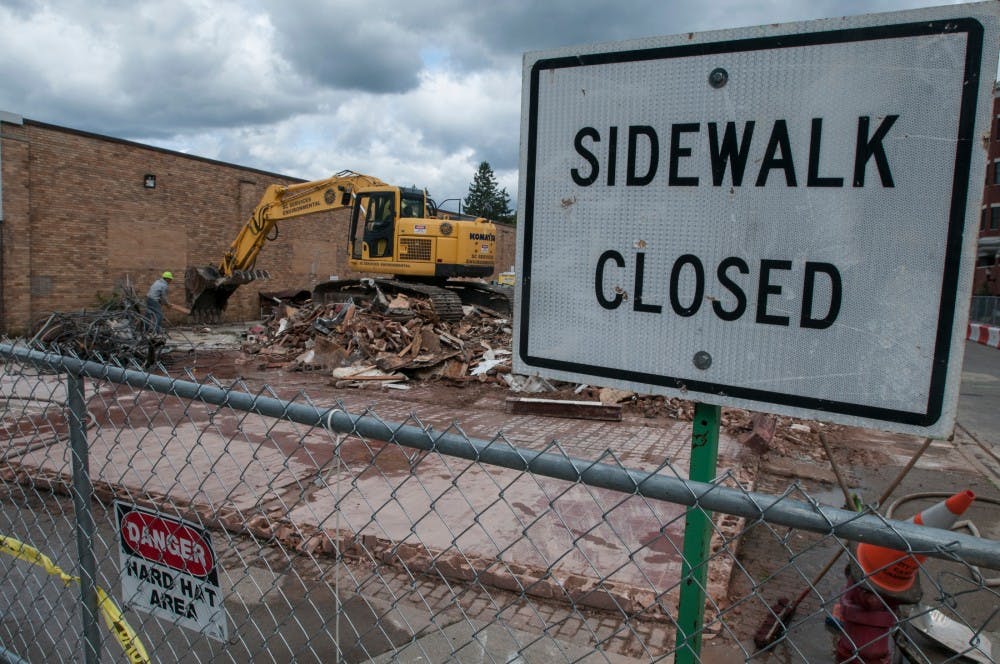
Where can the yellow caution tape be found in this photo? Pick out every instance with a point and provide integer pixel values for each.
(113, 617)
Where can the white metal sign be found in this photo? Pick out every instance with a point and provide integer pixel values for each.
(780, 218)
(169, 569)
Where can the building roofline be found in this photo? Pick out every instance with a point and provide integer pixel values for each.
(112, 139)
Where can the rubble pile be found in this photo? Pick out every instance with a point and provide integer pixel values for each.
(800, 438)
(387, 342)
(364, 344)
(788, 435)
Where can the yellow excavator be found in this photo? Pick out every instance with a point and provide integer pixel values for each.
(394, 231)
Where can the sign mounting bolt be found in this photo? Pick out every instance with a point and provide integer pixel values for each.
(718, 78)
(702, 360)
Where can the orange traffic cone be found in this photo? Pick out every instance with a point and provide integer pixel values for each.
(895, 571)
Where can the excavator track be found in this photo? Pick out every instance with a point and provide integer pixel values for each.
(447, 304)
(492, 296)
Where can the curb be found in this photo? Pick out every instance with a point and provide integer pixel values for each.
(983, 334)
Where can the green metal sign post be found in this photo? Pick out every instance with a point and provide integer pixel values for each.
(697, 537)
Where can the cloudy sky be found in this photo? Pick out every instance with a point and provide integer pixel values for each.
(416, 92)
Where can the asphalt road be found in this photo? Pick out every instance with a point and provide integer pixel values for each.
(979, 396)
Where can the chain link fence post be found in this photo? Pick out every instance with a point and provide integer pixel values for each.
(697, 536)
(83, 494)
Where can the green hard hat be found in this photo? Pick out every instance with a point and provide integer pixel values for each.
(168, 275)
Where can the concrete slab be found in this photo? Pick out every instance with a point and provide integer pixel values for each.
(188, 338)
(470, 641)
(545, 537)
(508, 529)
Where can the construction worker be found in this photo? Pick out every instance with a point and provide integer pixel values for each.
(156, 298)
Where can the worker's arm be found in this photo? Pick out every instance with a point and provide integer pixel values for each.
(178, 307)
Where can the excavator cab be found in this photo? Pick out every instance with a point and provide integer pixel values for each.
(373, 221)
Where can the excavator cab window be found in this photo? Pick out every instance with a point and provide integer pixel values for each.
(411, 206)
(359, 222)
(380, 217)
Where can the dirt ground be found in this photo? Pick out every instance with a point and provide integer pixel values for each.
(794, 464)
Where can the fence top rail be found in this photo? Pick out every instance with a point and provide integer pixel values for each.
(869, 527)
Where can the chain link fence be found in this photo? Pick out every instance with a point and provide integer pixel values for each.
(150, 517)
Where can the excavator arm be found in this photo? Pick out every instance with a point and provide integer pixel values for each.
(208, 288)
(285, 202)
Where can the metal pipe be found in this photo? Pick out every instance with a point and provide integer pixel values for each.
(854, 526)
(83, 493)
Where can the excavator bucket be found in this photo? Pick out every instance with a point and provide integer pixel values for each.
(207, 292)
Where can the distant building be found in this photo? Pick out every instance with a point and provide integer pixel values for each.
(987, 276)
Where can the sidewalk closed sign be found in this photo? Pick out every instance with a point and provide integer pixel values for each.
(781, 218)
(169, 569)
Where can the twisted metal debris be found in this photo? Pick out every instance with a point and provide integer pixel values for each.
(119, 331)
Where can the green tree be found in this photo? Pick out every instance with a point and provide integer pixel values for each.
(486, 198)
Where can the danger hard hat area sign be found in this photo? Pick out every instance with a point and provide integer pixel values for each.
(780, 218)
(168, 569)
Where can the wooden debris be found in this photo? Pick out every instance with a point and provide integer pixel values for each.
(364, 376)
(584, 410)
(612, 396)
(402, 335)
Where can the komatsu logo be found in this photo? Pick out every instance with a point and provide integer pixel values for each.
(485, 237)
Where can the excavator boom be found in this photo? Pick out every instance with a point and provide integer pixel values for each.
(208, 288)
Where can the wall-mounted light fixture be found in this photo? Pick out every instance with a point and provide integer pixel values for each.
(149, 181)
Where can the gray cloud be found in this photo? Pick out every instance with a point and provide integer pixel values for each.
(415, 93)
(485, 34)
(336, 45)
(22, 8)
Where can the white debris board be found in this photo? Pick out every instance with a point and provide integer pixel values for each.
(780, 218)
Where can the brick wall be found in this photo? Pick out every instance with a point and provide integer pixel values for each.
(15, 236)
(78, 220)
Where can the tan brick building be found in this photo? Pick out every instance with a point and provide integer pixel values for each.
(82, 212)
